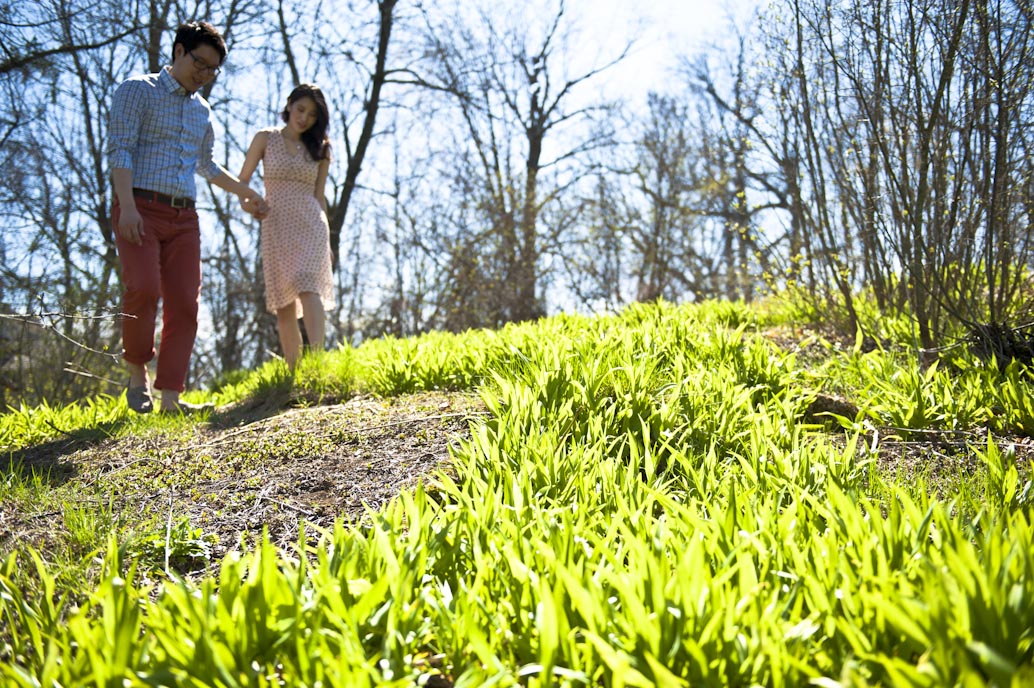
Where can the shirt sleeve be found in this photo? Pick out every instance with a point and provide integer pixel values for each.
(206, 166)
(124, 123)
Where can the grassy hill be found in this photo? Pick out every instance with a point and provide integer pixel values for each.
(693, 495)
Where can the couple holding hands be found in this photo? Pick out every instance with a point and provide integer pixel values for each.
(160, 136)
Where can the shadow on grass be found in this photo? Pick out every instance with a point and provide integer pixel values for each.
(269, 397)
(263, 396)
(273, 393)
(48, 460)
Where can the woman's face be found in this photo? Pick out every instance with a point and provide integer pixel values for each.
(301, 114)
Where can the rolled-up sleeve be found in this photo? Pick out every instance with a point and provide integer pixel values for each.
(206, 165)
(124, 123)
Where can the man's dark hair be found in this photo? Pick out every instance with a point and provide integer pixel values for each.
(192, 34)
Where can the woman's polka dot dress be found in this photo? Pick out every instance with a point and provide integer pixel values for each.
(295, 234)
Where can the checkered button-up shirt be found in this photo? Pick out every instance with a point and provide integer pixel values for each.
(162, 133)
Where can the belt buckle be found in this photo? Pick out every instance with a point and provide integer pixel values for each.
(179, 202)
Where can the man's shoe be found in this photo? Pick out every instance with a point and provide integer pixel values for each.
(185, 407)
(139, 399)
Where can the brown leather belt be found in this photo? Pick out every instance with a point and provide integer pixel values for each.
(174, 201)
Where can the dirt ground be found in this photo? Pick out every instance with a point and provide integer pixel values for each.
(215, 485)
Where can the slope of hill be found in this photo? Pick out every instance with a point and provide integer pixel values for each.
(691, 495)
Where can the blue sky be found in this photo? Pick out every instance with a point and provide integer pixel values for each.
(665, 29)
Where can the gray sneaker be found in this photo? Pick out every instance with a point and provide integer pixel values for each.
(139, 399)
(187, 408)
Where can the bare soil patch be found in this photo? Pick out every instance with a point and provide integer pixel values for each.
(245, 471)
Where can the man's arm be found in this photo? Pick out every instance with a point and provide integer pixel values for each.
(124, 125)
(251, 200)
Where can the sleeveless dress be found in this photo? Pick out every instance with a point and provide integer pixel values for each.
(295, 234)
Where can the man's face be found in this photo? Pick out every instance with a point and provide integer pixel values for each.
(195, 68)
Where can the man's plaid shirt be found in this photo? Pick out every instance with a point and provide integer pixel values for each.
(162, 133)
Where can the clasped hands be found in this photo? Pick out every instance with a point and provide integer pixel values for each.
(254, 204)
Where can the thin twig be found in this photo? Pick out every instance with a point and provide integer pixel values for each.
(228, 436)
(933, 431)
(168, 530)
(83, 373)
(44, 319)
(406, 421)
(259, 497)
(51, 424)
(116, 469)
(34, 318)
(258, 425)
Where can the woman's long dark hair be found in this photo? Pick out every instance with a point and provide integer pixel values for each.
(315, 137)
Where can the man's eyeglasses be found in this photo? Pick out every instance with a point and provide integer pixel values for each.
(203, 67)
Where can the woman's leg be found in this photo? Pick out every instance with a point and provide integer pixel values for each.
(290, 335)
(315, 319)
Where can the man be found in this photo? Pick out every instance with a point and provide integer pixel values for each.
(160, 136)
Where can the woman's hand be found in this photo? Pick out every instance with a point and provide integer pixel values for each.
(254, 204)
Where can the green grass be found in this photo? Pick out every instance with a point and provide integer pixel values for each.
(644, 505)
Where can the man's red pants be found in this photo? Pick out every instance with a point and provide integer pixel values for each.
(168, 267)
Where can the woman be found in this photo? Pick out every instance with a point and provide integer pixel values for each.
(295, 233)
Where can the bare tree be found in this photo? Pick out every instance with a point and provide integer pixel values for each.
(910, 118)
(647, 214)
(737, 176)
(60, 199)
(597, 257)
(355, 153)
(515, 93)
(35, 36)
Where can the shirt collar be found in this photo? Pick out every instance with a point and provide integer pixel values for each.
(170, 84)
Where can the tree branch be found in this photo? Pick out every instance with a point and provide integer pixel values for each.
(18, 62)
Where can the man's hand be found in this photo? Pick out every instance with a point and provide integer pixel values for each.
(130, 225)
